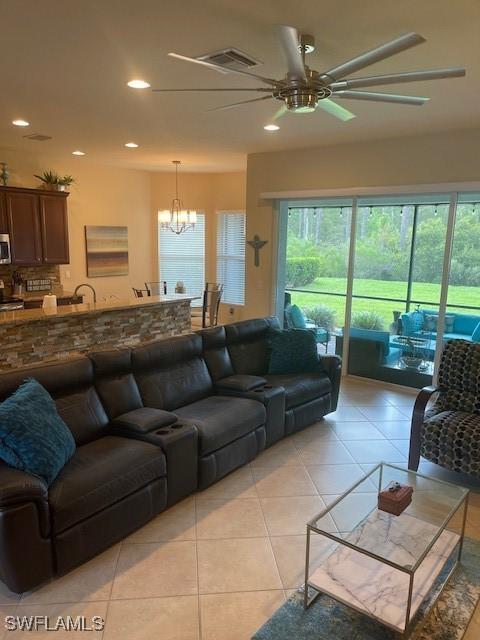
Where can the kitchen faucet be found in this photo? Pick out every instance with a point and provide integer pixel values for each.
(86, 285)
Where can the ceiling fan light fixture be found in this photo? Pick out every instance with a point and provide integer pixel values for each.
(138, 84)
(78, 153)
(271, 127)
(20, 123)
(177, 219)
(131, 145)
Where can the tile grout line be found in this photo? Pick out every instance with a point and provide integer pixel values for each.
(199, 607)
(269, 540)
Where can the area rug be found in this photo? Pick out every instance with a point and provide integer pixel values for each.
(327, 619)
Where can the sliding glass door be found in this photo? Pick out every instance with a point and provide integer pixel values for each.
(386, 285)
(462, 319)
(317, 246)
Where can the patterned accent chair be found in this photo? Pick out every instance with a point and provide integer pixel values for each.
(448, 433)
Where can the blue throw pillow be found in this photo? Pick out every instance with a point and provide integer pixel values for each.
(33, 437)
(417, 320)
(293, 351)
(476, 333)
(297, 318)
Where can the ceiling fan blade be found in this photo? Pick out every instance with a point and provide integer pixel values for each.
(394, 78)
(262, 89)
(374, 55)
(381, 97)
(290, 41)
(335, 110)
(237, 104)
(280, 112)
(219, 67)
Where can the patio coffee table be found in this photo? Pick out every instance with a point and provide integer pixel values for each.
(384, 565)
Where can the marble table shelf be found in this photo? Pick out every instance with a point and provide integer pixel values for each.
(376, 589)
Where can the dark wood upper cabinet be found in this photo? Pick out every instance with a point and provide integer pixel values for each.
(37, 222)
(54, 229)
(3, 215)
(24, 227)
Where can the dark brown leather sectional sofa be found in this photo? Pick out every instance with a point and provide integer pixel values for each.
(152, 425)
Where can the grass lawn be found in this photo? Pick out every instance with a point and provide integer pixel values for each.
(391, 289)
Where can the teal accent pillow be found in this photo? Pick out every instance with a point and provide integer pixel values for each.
(449, 322)
(417, 320)
(476, 333)
(33, 437)
(297, 318)
(430, 323)
(293, 351)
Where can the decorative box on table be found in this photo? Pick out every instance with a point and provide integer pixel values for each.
(395, 498)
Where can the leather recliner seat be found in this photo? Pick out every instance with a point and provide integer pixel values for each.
(241, 351)
(110, 487)
(173, 376)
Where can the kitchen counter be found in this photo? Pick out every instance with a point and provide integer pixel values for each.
(34, 336)
(24, 316)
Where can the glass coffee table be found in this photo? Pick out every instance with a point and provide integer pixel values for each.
(384, 565)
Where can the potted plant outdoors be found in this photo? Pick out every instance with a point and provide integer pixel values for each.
(413, 358)
(53, 182)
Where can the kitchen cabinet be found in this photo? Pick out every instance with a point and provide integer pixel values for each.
(3, 215)
(24, 227)
(37, 222)
(54, 229)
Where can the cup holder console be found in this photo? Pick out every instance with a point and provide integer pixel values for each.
(166, 430)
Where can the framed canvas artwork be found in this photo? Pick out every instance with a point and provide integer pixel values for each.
(107, 251)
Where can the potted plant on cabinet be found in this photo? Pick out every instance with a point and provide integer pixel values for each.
(53, 182)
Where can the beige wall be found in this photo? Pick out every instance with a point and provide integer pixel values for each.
(208, 192)
(105, 195)
(445, 157)
(101, 196)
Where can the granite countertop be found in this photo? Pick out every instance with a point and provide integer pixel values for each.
(35, 315)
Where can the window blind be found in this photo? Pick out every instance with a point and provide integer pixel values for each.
(182, 257)
(231, 256)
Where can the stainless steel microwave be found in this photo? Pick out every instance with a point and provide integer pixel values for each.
(5, 257)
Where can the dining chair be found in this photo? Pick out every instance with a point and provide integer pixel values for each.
(208, 312)
(156, 288)
(140, 293)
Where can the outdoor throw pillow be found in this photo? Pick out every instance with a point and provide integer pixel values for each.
(417, 320)
(33, 437)
(293, 351)
(449, 321)
(298, 320)
(430, 323)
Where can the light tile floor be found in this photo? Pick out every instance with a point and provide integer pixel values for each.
(217, 565)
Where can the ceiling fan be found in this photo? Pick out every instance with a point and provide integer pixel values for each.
(303, 89)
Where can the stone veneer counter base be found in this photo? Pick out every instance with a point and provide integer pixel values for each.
(39, 335)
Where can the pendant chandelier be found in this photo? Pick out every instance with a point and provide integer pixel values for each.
(177, 219)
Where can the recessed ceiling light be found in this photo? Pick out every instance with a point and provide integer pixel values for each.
(138, 84)
(131, 145)
(78, 153)
(20, 123)
(271, 127)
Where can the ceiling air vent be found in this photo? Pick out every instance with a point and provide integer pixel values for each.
(231, 58)
(39, 137)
